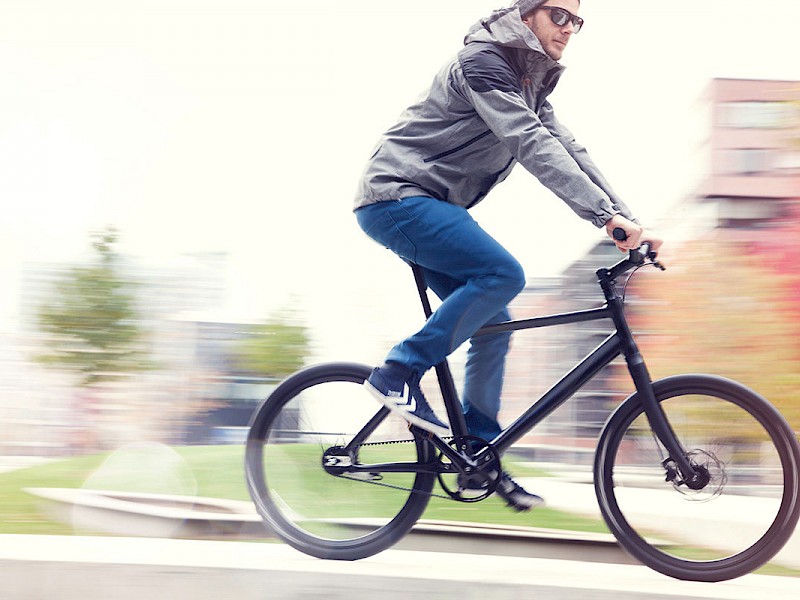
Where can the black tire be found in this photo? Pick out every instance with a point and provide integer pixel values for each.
(752, 457)
(324, 514)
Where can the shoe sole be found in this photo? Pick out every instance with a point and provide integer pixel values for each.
(521, 507)
(404, 413)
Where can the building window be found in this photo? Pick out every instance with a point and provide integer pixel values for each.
(757, 115)
(746, 161)
(789, 162)
(747, 213)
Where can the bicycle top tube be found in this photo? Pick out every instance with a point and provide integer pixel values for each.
(579, 316)
(606, 278)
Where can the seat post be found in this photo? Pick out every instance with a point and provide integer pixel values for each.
(452, 404)
(422, 286)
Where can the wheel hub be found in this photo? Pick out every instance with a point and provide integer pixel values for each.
(336, 460)
(708, 476)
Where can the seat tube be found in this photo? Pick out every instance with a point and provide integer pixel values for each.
(455, 415)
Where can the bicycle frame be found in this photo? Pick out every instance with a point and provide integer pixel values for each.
(620, 342)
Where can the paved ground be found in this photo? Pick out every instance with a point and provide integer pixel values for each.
(85, 568)
(735, 516)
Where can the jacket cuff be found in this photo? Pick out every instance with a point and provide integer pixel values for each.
(607, 211)
(604, 213)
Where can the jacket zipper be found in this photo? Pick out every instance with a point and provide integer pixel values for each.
(458, 148)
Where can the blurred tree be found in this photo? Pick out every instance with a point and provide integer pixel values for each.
(780, 250)
(722, 310)
(91, 320)
(273, 349)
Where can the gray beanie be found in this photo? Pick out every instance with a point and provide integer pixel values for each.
(526, 6)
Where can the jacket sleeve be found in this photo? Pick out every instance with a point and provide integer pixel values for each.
(581, 156)
(537, 149)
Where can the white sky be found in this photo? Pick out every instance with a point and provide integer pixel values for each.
(243, 125)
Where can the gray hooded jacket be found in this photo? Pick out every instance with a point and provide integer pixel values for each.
(484, 112)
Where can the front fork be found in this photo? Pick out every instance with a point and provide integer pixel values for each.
(679, 469)
(677, 465)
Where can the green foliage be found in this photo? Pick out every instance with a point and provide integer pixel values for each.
(91, 320)
(272, 349)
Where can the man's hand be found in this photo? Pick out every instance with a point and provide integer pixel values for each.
(636, 234)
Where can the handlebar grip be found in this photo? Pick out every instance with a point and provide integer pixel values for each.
(619, 234)
(637, 255)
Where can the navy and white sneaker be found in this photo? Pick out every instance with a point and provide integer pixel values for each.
(516, 496)
(398, 390)
(509, 490)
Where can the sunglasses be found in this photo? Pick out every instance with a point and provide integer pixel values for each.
(560, 17)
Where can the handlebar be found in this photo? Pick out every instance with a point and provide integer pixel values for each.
(640, 254)
(636, 256)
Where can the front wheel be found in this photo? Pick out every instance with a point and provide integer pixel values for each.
(746, 507)
(301, 447)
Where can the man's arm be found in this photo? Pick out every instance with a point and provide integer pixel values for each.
(549, 160)
(493, 90)
(624, 219)
(581, 156)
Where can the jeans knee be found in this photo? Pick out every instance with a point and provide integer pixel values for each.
(504, 281)
(513, 277)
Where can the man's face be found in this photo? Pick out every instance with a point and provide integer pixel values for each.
(554, 38)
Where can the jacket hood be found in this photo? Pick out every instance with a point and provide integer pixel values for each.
(505, 27)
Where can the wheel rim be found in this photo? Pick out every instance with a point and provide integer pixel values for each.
(737, 521)
(296, 474)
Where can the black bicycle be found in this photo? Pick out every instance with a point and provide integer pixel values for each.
(337, 477)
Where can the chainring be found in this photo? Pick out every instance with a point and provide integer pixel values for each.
(476, 483)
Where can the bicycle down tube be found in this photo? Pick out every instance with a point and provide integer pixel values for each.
(559, 393)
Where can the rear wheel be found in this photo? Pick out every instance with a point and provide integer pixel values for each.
(297, 468)
(744, 506)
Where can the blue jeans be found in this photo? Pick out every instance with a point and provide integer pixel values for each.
(474, 276)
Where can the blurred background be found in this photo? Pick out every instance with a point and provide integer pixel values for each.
(177, 185)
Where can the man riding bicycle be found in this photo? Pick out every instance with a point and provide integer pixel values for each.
(486, 111)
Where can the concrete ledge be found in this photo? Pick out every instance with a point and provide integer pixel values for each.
(150, 515)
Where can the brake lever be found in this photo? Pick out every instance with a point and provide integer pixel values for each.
(656, 263)
(620, 235)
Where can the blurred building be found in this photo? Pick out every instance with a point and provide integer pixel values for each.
(754, 153)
